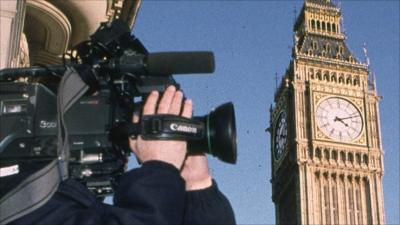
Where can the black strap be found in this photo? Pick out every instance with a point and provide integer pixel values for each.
(30, 194)
(160, 127)
(88, 74)
(121, 131)
(38, 188)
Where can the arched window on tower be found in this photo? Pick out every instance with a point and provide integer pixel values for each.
(341, 79)
(318, 153)
(323, 26)
(326, 154)
(326, 76)
(318, 25)
(351, 59)
(333, 27)
(315, 45)
(333, 77)
(357, 81)
(328, 26)
(348, 80)
(334, 155)
(313, 24)
(340, 49)
(342, 157)
(350, 157)
(365, 159)
(311, 73)
(328, 48)
(319, 75)
(358, 158)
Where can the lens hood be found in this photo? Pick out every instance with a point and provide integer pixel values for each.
(220, 136)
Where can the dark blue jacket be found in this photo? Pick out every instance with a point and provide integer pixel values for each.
(152, 194)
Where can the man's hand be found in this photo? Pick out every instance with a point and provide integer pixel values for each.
(172, 152)
(195, 172)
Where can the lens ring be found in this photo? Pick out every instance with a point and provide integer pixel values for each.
(208, 134)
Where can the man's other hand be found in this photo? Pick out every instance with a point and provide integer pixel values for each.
(195, 172)
(172, 152)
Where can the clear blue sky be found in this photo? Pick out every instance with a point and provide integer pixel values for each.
(252, 41)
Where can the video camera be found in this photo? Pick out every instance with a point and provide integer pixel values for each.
(120, 73)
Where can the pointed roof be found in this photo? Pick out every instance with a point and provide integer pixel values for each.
(325, 47)
(318, 37)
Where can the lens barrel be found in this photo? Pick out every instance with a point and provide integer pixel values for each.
(220, 134)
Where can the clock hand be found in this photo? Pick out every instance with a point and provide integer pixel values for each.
(340, 120)
(345, 118)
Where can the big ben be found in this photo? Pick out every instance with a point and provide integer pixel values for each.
(326, 150)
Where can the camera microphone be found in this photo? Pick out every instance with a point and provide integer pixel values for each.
(164, 63)
(180, 63)
(152, 64)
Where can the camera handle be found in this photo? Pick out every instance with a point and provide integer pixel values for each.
(160, 127)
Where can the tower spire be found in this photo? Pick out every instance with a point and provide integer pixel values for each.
(366, 54)
(371, 74)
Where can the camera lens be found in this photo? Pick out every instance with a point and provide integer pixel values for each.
(220, 135)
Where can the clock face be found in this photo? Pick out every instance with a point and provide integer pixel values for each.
(339, 119)
(280, 135)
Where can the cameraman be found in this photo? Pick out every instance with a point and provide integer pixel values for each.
(169, 188)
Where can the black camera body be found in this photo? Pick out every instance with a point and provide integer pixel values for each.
(118, 70)
(29, 132)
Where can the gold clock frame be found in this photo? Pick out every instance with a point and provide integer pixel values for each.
(318, 97)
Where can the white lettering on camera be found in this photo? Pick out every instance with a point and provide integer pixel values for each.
(9, 170)
(47, 124)
(183, 128)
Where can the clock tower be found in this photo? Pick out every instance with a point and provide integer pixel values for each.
(326, 150)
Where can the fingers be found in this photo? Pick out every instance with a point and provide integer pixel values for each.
(176, 103)
(170, 103)
(166, 100)
(135, 117)
(149, 107)
(187, 109)
(132, 139)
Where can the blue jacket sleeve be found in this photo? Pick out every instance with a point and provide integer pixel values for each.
(152, 194)
(208, 206)
(155, 193)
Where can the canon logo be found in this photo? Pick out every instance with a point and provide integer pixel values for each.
(183, 128)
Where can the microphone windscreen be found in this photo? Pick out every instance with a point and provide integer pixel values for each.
(168, 63)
